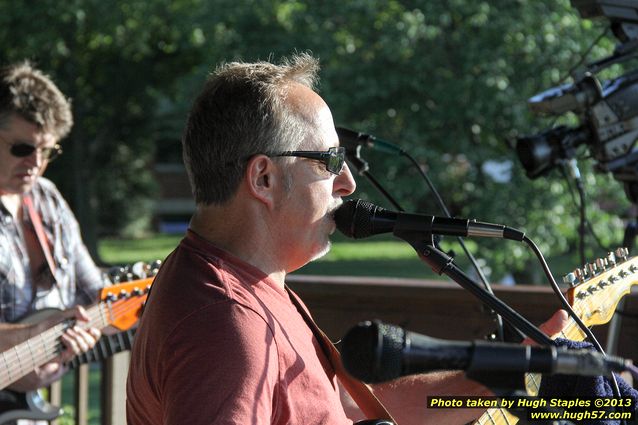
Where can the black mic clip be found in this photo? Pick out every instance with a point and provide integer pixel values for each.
(354, 157)
(425, 245)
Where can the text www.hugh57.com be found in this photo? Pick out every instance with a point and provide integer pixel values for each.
(579, 416)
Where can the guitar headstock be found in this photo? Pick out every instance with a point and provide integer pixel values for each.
(123, 302)
(599, 286)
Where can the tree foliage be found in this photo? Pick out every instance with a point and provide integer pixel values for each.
(447, 80)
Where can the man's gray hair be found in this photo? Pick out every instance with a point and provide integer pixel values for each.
(242, 111)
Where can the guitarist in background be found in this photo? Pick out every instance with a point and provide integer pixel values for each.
(43, 261)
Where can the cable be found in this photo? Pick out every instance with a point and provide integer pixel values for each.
(499, 320)
(581, 191)
(583, 56)
(569, 308)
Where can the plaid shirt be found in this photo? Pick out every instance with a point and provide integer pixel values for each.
(77, 278)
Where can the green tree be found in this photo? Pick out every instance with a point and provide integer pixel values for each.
(447, 80)
(112, 58)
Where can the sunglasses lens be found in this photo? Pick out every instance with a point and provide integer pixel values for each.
(22, 149)
(335, 163)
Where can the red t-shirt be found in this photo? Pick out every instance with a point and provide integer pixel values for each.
(220, 343)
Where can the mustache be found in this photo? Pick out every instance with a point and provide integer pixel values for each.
(333, 208)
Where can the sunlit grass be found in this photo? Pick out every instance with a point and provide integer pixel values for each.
(373, 257)
(127, 251)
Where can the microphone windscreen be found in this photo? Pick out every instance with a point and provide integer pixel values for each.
(372, 351)
(354, 218)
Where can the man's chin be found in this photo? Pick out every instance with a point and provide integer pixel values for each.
(16, 189)
(321, 253)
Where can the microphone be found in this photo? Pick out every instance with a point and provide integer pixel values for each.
(359, 219)
(379, 352)
(351, 140)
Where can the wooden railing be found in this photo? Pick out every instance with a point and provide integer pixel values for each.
(113, 392)
(436, 308)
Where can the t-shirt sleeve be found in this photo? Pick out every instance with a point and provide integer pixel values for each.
(198, 390)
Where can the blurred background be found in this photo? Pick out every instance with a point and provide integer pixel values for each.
(447, 80)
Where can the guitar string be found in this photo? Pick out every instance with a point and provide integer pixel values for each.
(48, 350)
(49, 347)
(95, 319)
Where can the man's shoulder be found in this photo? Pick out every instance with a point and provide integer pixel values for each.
(43, 184)
(44, 190)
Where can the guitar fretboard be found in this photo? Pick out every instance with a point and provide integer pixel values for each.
(106, 346)
(25, 357)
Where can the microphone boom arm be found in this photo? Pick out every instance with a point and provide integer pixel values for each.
(441, 263)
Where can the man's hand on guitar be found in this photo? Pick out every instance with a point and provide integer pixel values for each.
(553, 326)
(75, 340)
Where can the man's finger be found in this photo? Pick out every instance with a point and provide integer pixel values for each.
(556, 323)
(553, 326)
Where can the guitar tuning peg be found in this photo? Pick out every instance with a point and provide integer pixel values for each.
(139, 270)
(154, 267)
(592, 269)
(578, 274)
(585, 272)
(621, 254)
(601, 263)
(115, 273)
(611, 259)
(570, 279)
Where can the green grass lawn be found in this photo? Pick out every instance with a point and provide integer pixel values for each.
(382, 256)
(375, 257)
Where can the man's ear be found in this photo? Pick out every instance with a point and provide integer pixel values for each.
(262, 178)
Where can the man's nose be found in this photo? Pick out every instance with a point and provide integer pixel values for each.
(36, 158)
(344, 183)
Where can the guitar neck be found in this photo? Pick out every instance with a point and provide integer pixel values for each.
(25, 357)
(106, 347)
(120, 306)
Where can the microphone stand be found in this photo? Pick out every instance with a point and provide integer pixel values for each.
(362, 167)
(501, 384)
(442, 263)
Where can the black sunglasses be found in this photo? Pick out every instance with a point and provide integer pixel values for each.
(21, 150)
(333, 158)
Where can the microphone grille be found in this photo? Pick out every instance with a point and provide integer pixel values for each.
(372, 351)
(354, 218)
